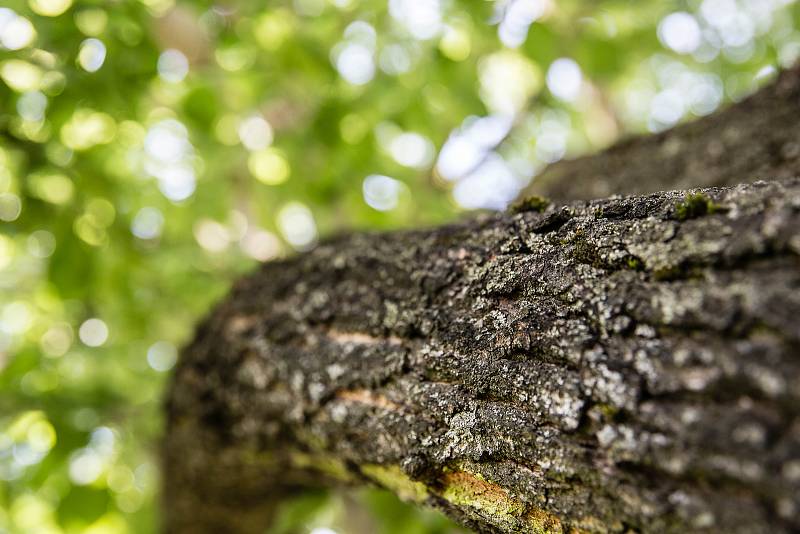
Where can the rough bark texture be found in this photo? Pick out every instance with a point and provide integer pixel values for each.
(758, 138)
(626, 365)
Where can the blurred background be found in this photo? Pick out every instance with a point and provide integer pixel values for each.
(151, 151)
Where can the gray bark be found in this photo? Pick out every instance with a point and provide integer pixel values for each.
(621, 365)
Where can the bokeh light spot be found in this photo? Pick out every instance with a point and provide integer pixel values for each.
(680, 32)
(297, 225)
(161, 356)
(10, 207)
(41, 435)
(273, 28)
(148, 223)
(395, 59)
(456, 43)
(7, 249)
(172, 66)
(255, 133)
(211, 235)
(16, 318)
(41, 244)
(31, 106)
(16, 32)
(269, 166)
(52, 187)
(93, 332)
(57, 340)
(420, 18)
(49, 8)
(91, 22)
(260, 244)
(92, 54)
(519, 15)
(411, 149)
(87, 128)
(508, 80)
(492, 185)
(381, 192)
(169, 155)
(20, 75)
(100, 212)
(85, 467)
(564, 79)
(355, 63)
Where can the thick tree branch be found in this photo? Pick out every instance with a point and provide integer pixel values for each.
(758, 138)
(623, 365)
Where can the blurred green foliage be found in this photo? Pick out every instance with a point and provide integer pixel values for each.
(152, 151)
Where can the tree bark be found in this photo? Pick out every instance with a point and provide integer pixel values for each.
(757, 138)
(620, 365)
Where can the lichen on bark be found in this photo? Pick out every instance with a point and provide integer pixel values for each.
(601, 366)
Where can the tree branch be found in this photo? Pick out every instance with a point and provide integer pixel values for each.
(757, 138)
(609, 366)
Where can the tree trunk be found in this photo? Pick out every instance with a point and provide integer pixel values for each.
(621, 365)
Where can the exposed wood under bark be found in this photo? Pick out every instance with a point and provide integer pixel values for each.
(609, 366)
(758, 138)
